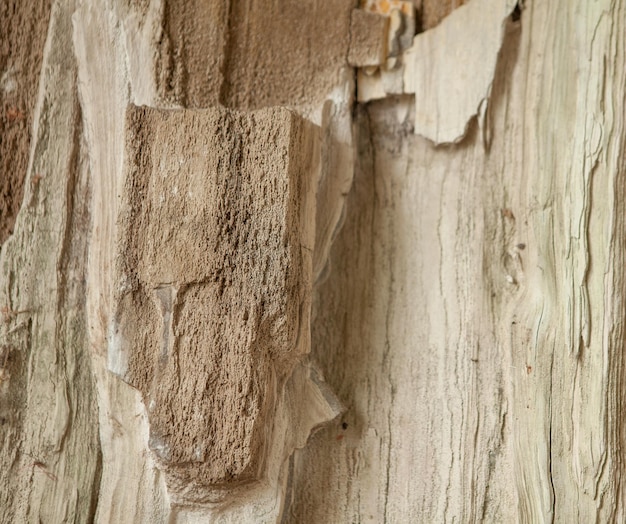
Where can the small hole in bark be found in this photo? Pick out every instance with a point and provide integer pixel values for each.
(344, 425)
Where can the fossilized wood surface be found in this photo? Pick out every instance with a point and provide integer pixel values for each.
(473, 320)
(59, 285)
(50, 459)
(215, 276)
(470, 321)
(441, 68)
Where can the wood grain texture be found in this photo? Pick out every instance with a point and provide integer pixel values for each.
(23, 26)
(50, 458)
(473, 318)
(440, 68)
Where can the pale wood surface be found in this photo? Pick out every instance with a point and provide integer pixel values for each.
(473, 319)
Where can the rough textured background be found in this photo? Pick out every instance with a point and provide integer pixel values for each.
(289, 53)
(252, 53)
(192, 52)
(368, 38)
(23, 30)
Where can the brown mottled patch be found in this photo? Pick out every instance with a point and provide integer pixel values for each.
(432, 12)
(249, 54)
(368, 38)
(23, 29)
(191, 53)
(214, 282)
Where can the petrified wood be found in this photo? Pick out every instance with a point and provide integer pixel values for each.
(214, 286)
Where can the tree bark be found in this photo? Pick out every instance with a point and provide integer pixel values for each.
(331, 271)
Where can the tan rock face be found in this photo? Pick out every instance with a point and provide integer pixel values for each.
(214, 281)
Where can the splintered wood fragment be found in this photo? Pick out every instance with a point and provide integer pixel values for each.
(368, 38)
(214, 282)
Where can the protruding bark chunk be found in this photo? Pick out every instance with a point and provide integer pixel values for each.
(368, 38)
(214, 282)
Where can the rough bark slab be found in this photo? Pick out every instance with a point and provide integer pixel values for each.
(215, 275)
(368, 38)
(23, 26)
